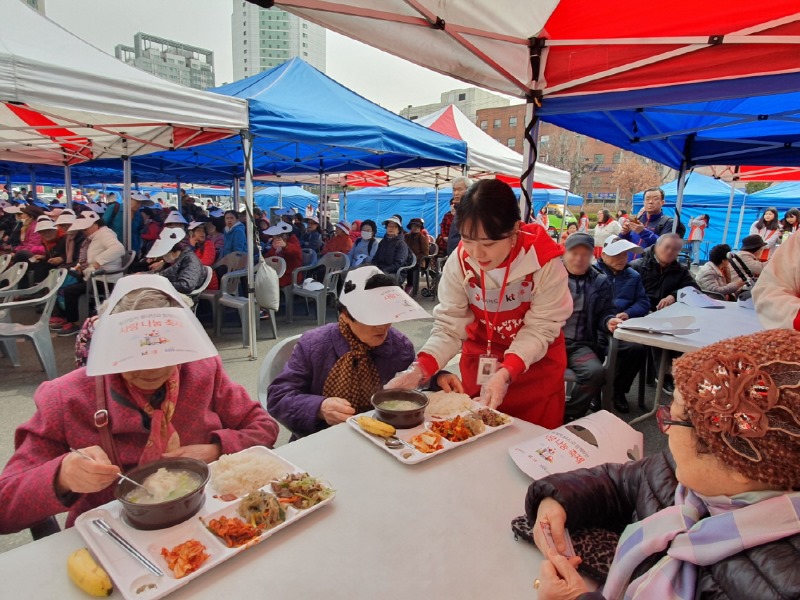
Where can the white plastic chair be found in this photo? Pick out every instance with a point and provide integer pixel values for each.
(10, 278)
(335, 263)
(309, 257)
(39, 332)
(5, 260)
(277, 263)
(230, 298)
(93, 293)
(273, 364)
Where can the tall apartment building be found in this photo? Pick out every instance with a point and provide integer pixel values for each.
(265, 38)
(37, 5)
(468, 100)
(180, 63)
(593, 159)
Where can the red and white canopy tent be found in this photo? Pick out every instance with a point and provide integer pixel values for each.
(579, 48)
(64, 102)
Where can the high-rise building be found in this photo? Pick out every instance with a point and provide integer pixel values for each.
(265, 38)
(468, 101)
(37, 5)
(187, 65)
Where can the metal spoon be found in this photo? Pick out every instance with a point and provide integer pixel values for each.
(395, 443)
(120, 475)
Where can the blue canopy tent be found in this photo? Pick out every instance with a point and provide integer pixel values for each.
(286, 197)
(782, 196)
(749, 121)
(380, 203)
(703, 195)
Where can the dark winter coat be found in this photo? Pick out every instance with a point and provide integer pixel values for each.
(630, 296)
(187, 273)
(392, 253)
(589, 327)
(613, 496)
(660, 282)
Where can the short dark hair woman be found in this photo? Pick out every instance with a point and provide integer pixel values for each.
(715, 275)
(503, 299)
(605, 228)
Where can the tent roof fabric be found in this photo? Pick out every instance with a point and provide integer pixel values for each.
(486, 157)
(779, 195)
(63, 101)
(573, 47)
(304, 122)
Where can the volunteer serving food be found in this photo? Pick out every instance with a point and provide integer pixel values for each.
(503, 299)
(335, 369)
(153, 387)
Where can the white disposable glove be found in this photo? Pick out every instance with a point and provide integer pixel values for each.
(494, 390)
(410, 379)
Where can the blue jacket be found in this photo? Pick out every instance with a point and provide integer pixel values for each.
(629, 294)
(391, 255)
(368, 247)
(653, 227)
(295, 396)
(235, 239)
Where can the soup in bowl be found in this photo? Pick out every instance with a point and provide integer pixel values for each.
(402, 409)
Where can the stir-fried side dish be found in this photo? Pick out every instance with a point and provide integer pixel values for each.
(261, 510)
(165, 485)
(491, 418)
(233, 531)
(455, 430)
(185, 558)
(427, 442)
(300, 490)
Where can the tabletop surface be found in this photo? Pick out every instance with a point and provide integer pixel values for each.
(440, 529)
(715, 324)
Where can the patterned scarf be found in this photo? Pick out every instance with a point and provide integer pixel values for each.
(354, 377)
(83, 253)
(696, 532)
(163, 437)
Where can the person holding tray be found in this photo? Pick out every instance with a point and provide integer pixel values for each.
(503, 300)
(154, 387)
(335, 369)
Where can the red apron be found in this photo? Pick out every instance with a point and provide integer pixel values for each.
(537, 395)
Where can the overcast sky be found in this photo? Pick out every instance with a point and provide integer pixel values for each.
(385, 79)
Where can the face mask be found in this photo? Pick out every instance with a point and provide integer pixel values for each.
(366, 235)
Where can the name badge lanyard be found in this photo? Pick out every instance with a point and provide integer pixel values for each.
(490, 328)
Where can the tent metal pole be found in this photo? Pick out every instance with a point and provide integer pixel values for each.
(323, 203)
(247, 148)
(436, 199)
(343, 203)
(564, 214)
(8, 186)
(126, 202)
(529, 163)
(679, 199)
(178, 191)
(68, 185)
(730, 205)
(280, 196)
(33, 183)
(741, 220)
(235, 197)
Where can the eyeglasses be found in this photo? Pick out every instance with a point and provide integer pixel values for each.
(665, 420)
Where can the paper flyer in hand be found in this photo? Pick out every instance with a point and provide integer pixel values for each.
(693, 297)
(593, 440)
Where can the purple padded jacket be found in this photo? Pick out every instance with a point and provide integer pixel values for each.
(294, 397)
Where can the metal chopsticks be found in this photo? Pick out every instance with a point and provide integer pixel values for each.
(103, 526)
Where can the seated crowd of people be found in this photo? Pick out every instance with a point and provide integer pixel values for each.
(714, 515)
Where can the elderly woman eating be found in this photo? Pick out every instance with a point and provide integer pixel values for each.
(136, 405)
(335, 369)
(714, 517)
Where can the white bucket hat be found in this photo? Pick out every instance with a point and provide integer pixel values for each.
(615, 245)
(195, 224)
(394, 220)
(175, 217)
(166, 241)
(278, 229)
(312, 218)
(86, 220)
(12, 210)
(344, 226)
(67, 217)
(45, 224)
(377, 306)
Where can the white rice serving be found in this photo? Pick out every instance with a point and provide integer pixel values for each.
(447, 404)
(244, 472)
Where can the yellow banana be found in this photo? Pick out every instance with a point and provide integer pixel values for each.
(376, 427)
(87, 574)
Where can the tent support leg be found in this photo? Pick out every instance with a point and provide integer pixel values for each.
(436, 188)
(529, 163)
(252, 324)
(564, 214)
(126, 202)
(235, 197)
(68, 185)
(730, 205)
(33, 183)
(280, 196)
(8, 186)
(741, 221)
(679, 199)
